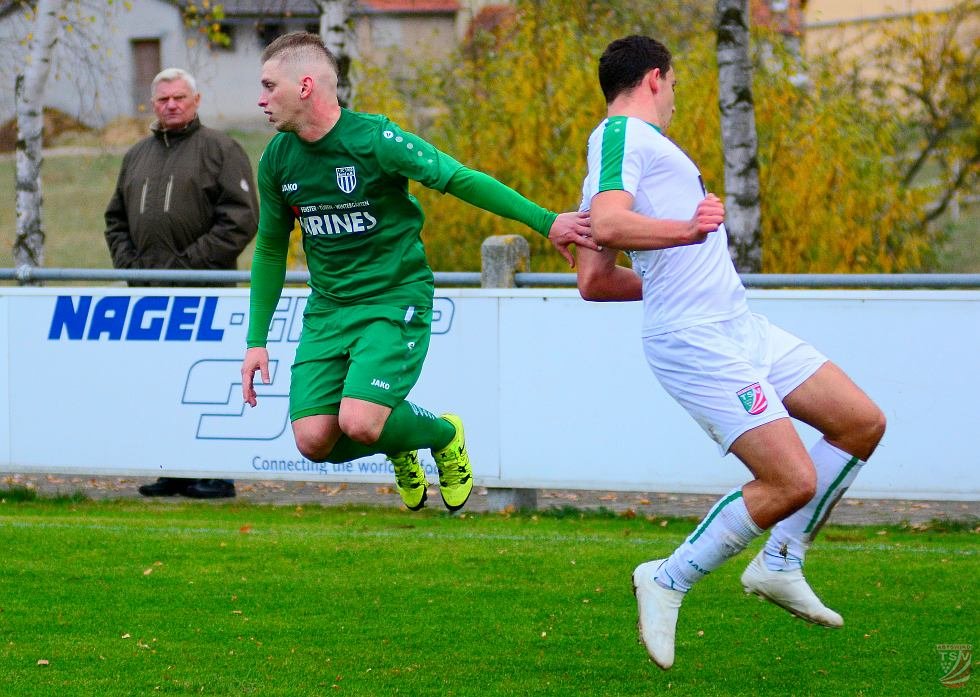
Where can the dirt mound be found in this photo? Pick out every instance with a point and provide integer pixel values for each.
(56, 124)
(125, 131)
(60, 129)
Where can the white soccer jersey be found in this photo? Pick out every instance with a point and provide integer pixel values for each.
(682, 286)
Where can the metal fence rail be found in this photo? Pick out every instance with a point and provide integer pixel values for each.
(456, 279)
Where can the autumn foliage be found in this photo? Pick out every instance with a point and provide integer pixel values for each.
(519, 100)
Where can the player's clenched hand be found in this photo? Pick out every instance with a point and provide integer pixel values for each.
(571, 228)
(708, 217)
(256, 359)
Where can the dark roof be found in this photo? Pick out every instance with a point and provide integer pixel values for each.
(270, 8)
(407, 6)
(309, 8)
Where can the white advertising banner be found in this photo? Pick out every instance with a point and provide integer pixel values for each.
(554, 391)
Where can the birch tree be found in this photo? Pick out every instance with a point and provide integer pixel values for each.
(739, 139)
(336, 29)
(29, 104)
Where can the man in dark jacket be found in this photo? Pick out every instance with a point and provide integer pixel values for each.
(185, 199)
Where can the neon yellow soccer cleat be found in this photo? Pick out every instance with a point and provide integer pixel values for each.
(409, 479)
(455, 470)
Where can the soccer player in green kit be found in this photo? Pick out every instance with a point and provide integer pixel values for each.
(344, 175)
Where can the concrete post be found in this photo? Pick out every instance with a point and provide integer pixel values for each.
(502, 257)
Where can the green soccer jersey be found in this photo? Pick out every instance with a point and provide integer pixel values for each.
(361, 228)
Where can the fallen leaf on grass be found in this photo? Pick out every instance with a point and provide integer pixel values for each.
(245, 529)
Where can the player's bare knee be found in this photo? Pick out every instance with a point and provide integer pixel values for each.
(876, 429)
(802, 491)
(799, 489)
(312, 449)
(862, 435)
(805, 491)
(361, 431)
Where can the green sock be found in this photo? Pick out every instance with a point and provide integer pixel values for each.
(409, 427)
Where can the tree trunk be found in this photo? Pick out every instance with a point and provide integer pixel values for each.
(337, 32)
(29, 100)
(739, 140)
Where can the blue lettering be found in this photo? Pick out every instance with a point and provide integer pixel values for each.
(69, 318)
(109, 317)
(148, 318)
(181, 324)
(206, 330)
(151, 332)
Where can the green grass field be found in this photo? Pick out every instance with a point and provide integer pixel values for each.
(136, 597)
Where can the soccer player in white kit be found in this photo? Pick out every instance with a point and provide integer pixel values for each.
(739, 376)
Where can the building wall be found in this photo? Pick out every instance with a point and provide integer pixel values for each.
(103, 90)
(228, 79)
(384, 38)
(468, 9)
(850, 23)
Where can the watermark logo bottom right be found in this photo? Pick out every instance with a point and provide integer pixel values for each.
(956, 660)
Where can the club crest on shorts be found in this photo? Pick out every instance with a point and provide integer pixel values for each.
(346, 179)
(753, 399)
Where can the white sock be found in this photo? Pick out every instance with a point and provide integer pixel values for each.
(725, 531)
(791, 537)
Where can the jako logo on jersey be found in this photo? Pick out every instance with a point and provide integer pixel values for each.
(380, 383)
(291, 186)
(753, 399)
(346, 179)
(121, 317)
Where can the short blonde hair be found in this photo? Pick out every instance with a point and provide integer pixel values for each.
(300, 47)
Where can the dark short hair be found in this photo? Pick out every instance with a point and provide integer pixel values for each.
(625, 61)
(296, 46)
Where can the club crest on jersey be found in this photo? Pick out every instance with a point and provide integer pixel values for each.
(753, 399)
(346, 179)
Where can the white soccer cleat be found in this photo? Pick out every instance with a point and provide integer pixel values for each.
(790, 591)
(658, 608)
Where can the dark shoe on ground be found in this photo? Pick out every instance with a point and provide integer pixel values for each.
(210, 489)
(165, 486)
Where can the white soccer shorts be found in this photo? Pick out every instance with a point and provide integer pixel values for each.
(731, 376)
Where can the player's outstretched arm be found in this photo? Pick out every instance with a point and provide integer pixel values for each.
(256, 360)
(483, 191)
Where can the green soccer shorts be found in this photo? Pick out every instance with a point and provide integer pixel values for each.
(369, 352)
